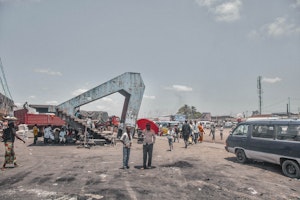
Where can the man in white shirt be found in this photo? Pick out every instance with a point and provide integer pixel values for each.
(149, 140)
(126, 139)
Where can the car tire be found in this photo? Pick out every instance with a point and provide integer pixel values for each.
(241, 156)
(291, 169)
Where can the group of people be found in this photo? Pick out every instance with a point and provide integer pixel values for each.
(62, 135)
(192, 132)
(149, 138)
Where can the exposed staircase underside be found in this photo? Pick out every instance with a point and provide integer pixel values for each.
(129, 84)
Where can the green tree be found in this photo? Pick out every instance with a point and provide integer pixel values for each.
(189, 111)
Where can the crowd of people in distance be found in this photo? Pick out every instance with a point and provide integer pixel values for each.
(191, 132)
(62, 135)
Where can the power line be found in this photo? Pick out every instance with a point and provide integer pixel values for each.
(4, 82)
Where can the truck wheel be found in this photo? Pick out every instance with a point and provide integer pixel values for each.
(291, 169)
(241, 156)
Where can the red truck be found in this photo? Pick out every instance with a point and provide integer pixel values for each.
(40, 119)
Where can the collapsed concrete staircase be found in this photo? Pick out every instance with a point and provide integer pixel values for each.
(99, 136)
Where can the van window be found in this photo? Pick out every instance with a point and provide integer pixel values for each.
(288, 132)
(241, 130)
(263, 131)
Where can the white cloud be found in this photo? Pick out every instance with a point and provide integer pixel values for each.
(228, 11)
(78, 92)
(48, 72)
(180, 88)
(271, 80)
(51, 102)
(206, 3)
(149, 97)
(296, 4)
(280, 27)
(32, 97)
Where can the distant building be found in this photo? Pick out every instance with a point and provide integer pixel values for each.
(43, 108)
(205, 116)
(179, 117)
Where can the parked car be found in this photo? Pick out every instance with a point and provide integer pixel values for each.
(228, 124)
(205, 124)
(274, 141)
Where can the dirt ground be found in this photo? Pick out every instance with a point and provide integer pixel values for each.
(202, 171)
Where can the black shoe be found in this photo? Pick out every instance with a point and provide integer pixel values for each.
(127, 167)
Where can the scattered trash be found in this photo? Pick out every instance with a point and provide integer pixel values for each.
(199, 189)
(94, 196)
(252, 191)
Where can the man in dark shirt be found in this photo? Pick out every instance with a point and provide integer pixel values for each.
(186, 131)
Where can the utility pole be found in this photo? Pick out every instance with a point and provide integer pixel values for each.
(259, 88)
(289, 107)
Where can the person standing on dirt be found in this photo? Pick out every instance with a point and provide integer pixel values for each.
(186, 132)
(170, 137)
(196, 132)
(201, 131)
(192, 132)
(35, 131)
(213, 132)
(176, 133)
(126, 139)
(149, 140)
(221, 132)
(9, 135)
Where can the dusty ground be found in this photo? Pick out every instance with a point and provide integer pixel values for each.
(202, 171)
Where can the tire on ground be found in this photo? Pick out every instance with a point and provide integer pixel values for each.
(291, 169)
(241, 156)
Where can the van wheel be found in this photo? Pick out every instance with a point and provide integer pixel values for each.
(241, 156)
(291, 169)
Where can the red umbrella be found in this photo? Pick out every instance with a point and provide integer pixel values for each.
(141, 123)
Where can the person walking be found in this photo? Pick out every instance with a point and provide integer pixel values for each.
(221, 132)
(192, 136)
(9, 135)
(170, 137)
(176, 133)
(186, 132)
(126, 139)
(201, 132)
(212, 132)
(196, 132)
(149, 140)
(35, 131)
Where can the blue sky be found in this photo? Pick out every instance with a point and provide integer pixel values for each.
(203, 53)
